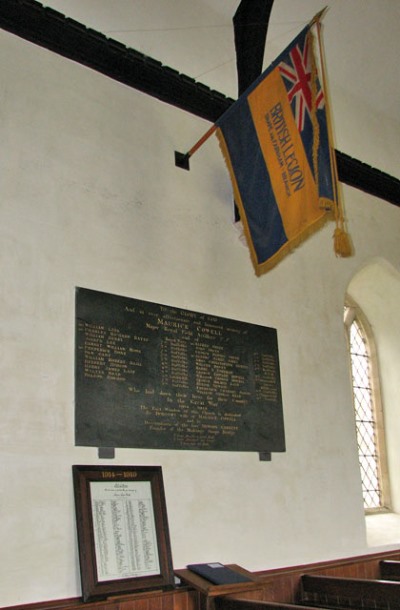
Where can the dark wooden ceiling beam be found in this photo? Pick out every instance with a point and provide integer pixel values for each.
(52, 30)
(250, 26)
(368, 179)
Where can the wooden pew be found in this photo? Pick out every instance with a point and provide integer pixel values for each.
(228, 603)
(335, 592)
(389, 570)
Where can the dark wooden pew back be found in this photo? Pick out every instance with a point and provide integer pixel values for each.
(227, 603)
(389, 570)
(334, 592)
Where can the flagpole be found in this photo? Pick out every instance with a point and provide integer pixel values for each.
(342, 243)
(182, 159)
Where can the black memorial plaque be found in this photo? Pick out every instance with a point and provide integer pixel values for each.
(153, 376)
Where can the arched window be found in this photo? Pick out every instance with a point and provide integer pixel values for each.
(367, 409)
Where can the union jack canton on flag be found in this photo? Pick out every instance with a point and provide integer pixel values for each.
(275, 141)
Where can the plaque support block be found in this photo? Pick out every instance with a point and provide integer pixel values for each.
(106, 453)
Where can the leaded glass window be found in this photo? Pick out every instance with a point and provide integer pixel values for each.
(369, 428)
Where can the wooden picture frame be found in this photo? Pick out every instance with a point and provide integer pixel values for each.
(122, 526)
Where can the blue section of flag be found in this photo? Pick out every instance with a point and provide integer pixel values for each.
(263, 216)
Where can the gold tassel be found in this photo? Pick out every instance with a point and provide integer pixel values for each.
(341, 239)
(342, 243)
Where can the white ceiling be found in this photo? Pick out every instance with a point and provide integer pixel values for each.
(195, 37)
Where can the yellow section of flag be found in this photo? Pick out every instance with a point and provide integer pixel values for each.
(292, 181)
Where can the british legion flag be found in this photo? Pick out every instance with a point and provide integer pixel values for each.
(276, 145)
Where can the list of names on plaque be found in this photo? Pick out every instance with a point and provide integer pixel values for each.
(148, 375)
(124, 530)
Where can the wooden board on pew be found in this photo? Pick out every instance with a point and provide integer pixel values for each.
(211, 590)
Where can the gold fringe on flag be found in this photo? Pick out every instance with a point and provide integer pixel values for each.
(341, 239)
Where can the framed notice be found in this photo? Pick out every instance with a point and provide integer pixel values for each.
(123, 534)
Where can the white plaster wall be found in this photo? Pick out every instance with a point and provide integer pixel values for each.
(376, 288)
(90, 197)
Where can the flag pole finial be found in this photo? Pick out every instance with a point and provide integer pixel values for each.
(318, 16)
